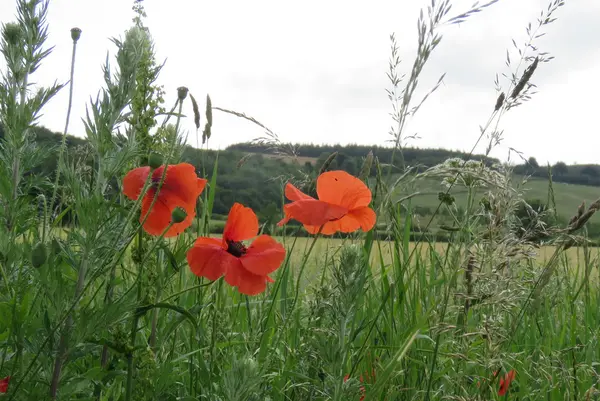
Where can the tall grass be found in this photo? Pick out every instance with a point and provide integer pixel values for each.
(92, 308)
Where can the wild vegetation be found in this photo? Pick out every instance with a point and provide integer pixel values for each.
(135, 267)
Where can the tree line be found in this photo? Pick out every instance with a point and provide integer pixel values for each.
(249, 174)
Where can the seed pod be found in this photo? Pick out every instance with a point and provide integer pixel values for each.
(155, 160)
(178, 215)
(182, 92)
(75, 34)
(39, 255)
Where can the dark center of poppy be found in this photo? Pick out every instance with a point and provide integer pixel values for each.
(236, 248)
(156, 181)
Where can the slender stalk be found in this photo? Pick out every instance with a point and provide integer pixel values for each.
(134, 323)
(152, 339)
(63, 145)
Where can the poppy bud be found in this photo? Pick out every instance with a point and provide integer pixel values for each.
(155, 160)
(178, 215)
(56, 248)
(75, 34)
(39, 255)
(182, 92)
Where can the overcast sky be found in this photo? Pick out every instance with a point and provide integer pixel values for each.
(314, 71)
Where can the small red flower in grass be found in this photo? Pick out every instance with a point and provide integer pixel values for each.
(181, 188)
(363, 391)
(343, 205)
(4, 384)
(246, 268)
(505, 382)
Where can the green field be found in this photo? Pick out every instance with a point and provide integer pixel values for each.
(567, 197)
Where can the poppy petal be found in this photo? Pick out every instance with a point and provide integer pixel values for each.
(505, 382)
(172, 200)
(264, 256)
(294, 194)
(160, 215)
(134, 181)
(313, 212)
(181, 179)
(207, 258)
(283, 221)
(340, 188)
(242, 224)
(158, 218)
(365, 216)
(246, 282)
(329, 228)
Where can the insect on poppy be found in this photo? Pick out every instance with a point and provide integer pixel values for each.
(180, 189)
(343, 205)
(246, 268)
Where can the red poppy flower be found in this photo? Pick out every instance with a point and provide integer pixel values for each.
(505, 382)
(246, 268)
(4, 384)
(363, 391)
(343, 205)
(180, 188)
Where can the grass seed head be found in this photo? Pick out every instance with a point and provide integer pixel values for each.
(525, 78)
(499, 101)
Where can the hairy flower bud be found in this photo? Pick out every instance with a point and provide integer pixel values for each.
(39, 255)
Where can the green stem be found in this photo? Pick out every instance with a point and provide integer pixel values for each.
(134, 322)
(152, 339)
(63, 144)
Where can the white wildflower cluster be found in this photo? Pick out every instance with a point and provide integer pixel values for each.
(470, 173)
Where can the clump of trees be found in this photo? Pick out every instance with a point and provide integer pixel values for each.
(580, 174)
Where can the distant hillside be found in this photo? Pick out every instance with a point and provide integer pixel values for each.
(254, 175)
(350, 156)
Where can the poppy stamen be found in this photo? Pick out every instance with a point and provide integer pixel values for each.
(236, 248)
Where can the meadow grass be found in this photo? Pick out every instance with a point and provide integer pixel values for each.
(102, 310)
